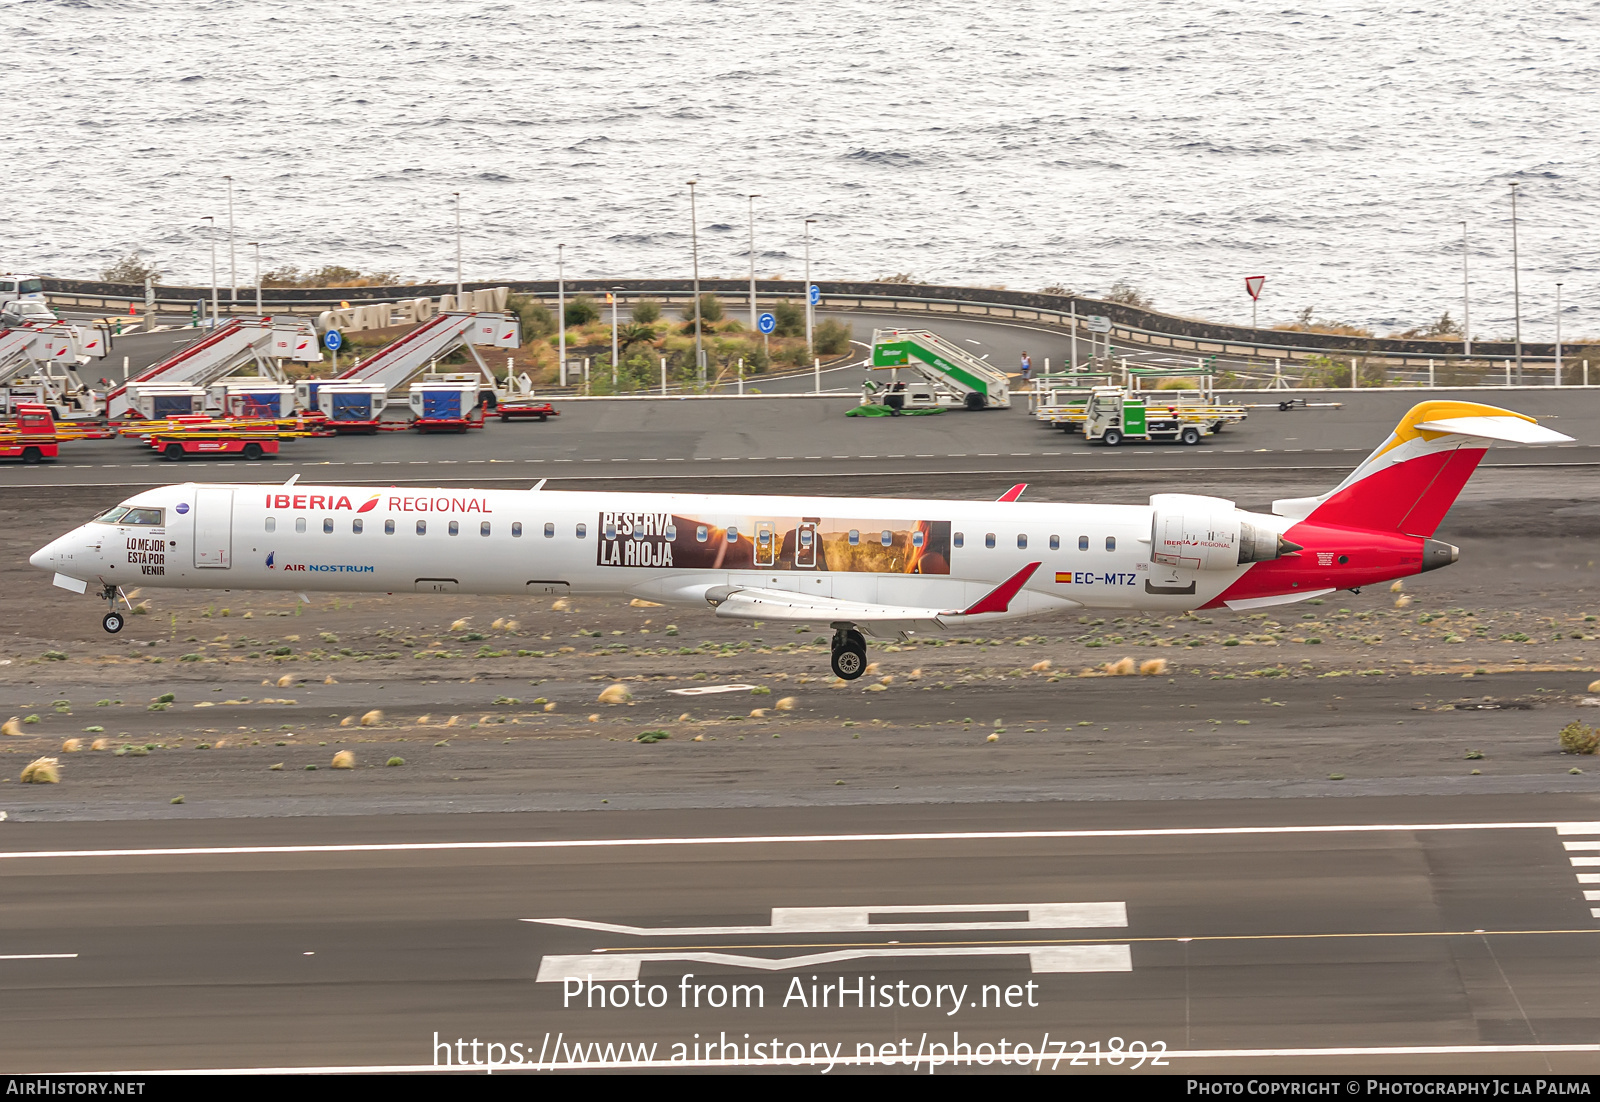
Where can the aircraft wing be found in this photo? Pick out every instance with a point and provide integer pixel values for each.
(754, 603)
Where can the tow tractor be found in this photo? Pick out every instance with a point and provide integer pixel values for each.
(31, 436)
(1113, 415)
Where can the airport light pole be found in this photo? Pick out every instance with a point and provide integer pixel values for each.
(257, 246)
(458, 250)
(212, 234)
(233, 266)
(616, 296)
(561, 316)
(1466, 297)
(1558, 334)
(808, 284)
(1516, 287)
(753, 199)
(694, 248)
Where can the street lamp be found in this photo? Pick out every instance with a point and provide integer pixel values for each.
(458, 250)
(616, 294)
(808, 283)
(1558, 334)
(1516, 289)
(233, 267)
(257, 246)
(1466, 297)
(561, 315)
(753, 199)
(694, 246)
(212, 234)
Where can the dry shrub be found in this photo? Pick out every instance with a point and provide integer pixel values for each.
(329, 680)
(785, 704)
(1124, 667)
(12, 726)
(499, 623)
(561, 605)
(1153, 667)
(758, 713)
(992, 738)
(1402, 601)
(285, 681)
(461, 624)
(914, 674)
(1594, 687)
(1041, 667)
(615, 694)
(640, 603)
(1577, 738)
(41, 771)
(1397, 586)
(872, 667)
(513, 625)
(550, 707)
(372, 718)
(72, 746)
(451, 722)
(100, 744)
(348, 721)
(422, 720)
(344, 759)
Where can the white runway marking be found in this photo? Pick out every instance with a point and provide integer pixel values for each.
(38, 956)
(791, 839)
(843, 920)
(625, 966)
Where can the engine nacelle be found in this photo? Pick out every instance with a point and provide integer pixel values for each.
(1209, 533)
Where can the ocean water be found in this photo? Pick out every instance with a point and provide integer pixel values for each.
(1334, 147)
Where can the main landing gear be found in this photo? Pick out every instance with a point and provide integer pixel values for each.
(849, 653)
(113, 621)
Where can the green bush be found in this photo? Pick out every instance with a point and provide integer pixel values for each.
(582, 311)
(710, 311)
(536, 319)
(790, 318)
(832, 338)
(1576, 738)
(647, 311)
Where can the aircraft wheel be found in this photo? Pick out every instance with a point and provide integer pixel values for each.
(1112, 438)
(252, 451)
(849, 661)
(1190, 435)
(112, 623)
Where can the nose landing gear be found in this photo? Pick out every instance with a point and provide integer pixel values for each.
(849, 653)
(113, 620)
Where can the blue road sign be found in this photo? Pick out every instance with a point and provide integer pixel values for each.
(766, 323)
(331, 340)
(816, 294)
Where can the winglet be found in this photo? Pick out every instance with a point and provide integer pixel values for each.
(999, 598)
(1013, 493)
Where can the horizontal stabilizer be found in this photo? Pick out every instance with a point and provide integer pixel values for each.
(1514, 430)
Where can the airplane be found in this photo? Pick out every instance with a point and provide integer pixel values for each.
(862, 566)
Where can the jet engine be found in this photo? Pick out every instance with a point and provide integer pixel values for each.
(1209, 533)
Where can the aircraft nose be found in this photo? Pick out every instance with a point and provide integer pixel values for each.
(45, 557)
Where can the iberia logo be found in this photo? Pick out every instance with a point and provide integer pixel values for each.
(369, 506)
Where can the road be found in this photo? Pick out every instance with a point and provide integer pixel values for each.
(1446, 935)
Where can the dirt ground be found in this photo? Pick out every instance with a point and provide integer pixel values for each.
(1458, 682)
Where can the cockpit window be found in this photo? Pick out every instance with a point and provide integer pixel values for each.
(111, 516)
(141, 514)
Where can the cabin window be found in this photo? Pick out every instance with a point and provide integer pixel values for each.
(701, 534)
(455, 527)
(916, 539)
(549, 530)
(610, 530)
(483, 529)
(733, 534)
(1111, 543)
(1083, 543)
(422, 528)
(583, 531)
(638, 533)
(272, 524)
(672, 533)
(805, 537)
(388, 527)
(516, 529)
(300, 524)
(327, 526)
(887, 537)
(855, 537)
(988, 539)
(959, 539)
(1055, 543)
(356, 525)
(1022, 542)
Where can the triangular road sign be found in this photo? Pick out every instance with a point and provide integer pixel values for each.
(1253, 284)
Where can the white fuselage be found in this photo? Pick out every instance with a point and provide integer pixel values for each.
(671, 548)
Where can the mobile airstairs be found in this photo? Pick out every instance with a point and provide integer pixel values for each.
(237, 342)
(952, 376)
(39, 364)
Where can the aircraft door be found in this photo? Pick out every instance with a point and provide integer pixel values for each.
(766, 543)
(213, 526)
(805, 546)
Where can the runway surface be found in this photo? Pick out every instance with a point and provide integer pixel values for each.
(1448, 935)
